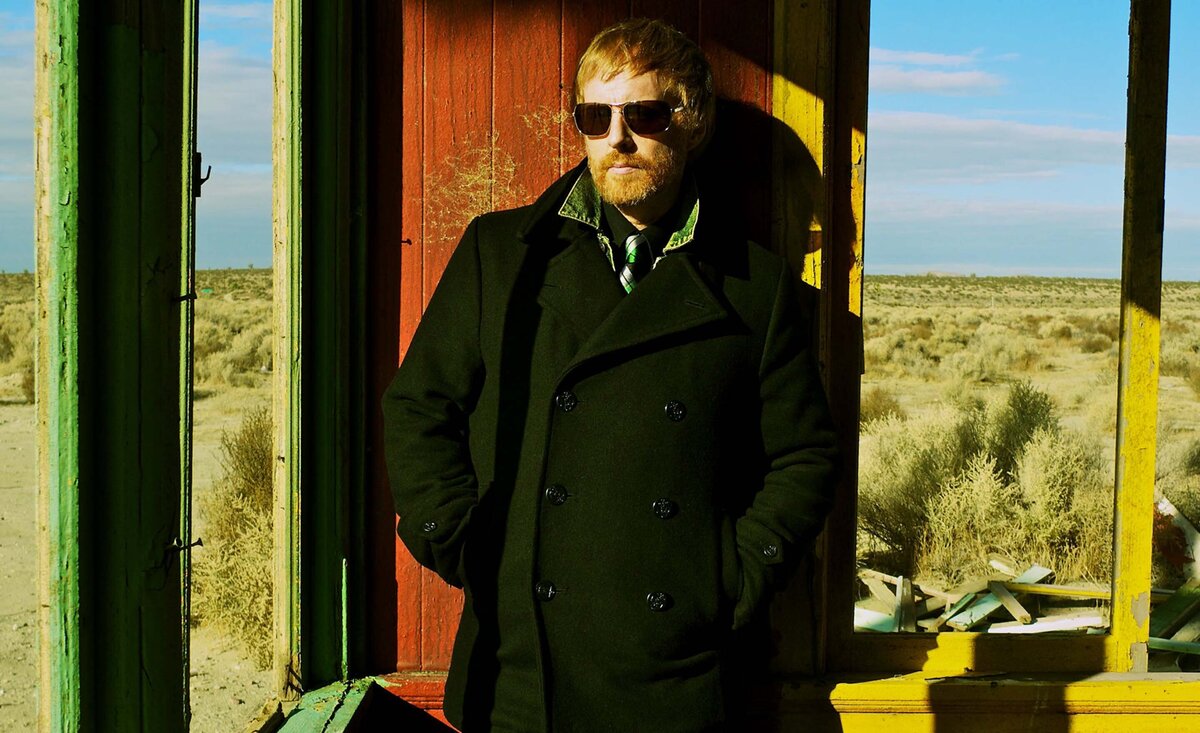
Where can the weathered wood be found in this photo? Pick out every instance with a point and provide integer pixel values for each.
(1099, 592)
(952, 610)
(1003, 563)
(1076, 621)
(1173, 645)
(906, 614)
(1011, 604)
(867, 619)
(880, 590)
(111, 227)
(1169, 616)
(1141, 297)
(990, 603)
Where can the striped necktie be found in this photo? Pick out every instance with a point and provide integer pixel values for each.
(637, 261)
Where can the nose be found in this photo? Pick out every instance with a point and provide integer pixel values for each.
(618, 136)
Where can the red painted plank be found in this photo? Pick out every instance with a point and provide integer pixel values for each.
(581, 21)
(683, 14)
(458, 125)
(412, 293)
(527, 105)
(458, 40)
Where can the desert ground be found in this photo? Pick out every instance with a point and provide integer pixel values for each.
(931, 346)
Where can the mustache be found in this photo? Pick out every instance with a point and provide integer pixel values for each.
(618, 159)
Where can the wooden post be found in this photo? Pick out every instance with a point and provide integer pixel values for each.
(1141, 295)
(111, 203)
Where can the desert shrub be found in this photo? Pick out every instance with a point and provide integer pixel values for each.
(1010, 423)
(939, 491)
(993, 353)
(904, 462)
(1055, 329)
(1056, 511)
(232, 574)
(232, 342)
(1095, 344)
(877, 403)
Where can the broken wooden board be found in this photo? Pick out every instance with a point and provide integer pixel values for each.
(1170, 645)
(1094, 591)
(1169, 616)
(906, 613)
(1075, 621)
(982, 609)
(933, 624)
(1010, 602)
(879, 590)
(866, 619)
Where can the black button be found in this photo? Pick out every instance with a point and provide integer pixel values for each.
(545, 590)
(770, 550)
(429, 527)
(556, 494)
(659, 601)
(566, 400)
(675, 410)
(665, 508)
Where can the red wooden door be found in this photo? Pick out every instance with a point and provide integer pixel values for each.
(470, 114)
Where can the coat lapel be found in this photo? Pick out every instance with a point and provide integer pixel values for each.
(672, 299)
(580, 287)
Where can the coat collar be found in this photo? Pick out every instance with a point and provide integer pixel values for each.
(681, 294)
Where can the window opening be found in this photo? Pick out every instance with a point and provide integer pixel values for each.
(991, 320)
(18, 416)
(231, 618)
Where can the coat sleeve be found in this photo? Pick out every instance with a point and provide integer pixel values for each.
(801, 457)
(425, 413)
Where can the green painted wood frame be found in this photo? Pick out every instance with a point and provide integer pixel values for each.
(113, 152)
(320, 397)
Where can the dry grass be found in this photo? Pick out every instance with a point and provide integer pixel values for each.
(232, 573)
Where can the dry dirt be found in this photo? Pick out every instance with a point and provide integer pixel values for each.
(227, 691)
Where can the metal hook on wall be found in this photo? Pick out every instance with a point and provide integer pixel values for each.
(198, 182)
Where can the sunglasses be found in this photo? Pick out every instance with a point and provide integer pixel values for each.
(646, 117)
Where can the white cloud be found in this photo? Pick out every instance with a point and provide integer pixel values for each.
(895, 79)
(928, 148)
(234, 106)
(909, 72)
(921, 58)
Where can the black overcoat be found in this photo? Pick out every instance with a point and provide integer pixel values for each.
(616, 481)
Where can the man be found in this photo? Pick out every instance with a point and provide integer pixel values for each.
(609, 429)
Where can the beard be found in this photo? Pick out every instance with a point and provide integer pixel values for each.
(655, 173)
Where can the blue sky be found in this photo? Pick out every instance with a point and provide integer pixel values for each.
(995, 137)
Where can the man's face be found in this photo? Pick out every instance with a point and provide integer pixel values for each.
(635, 171)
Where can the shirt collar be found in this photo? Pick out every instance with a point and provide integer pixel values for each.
(583, 204)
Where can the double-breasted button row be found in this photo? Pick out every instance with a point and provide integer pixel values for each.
(675, 410)
(566, 400)
(556, 494)
(545, 591)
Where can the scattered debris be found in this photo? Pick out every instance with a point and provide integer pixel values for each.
(1026, 601)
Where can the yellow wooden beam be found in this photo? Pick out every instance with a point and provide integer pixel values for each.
(1141, 294)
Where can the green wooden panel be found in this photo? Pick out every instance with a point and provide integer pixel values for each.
(110, 210)
(321, 394)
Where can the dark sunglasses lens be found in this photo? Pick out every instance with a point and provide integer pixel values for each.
(647, 118)
(592, 118)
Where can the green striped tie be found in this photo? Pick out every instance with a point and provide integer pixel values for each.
(637, 261)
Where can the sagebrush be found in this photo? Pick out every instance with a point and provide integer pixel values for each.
(232, 571)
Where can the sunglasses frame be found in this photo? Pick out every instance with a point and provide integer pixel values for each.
(620, 109)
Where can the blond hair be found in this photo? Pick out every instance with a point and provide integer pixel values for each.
(643, 45)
